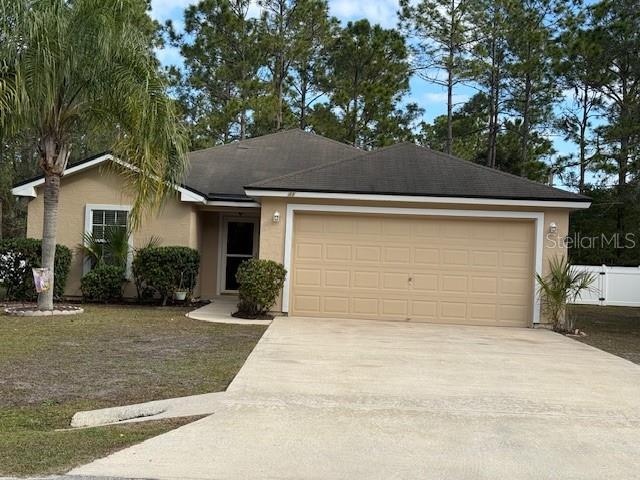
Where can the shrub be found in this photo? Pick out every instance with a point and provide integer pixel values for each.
(103, 284)
(163, 270)
(562, 285)
(18, 256)
(260, 283)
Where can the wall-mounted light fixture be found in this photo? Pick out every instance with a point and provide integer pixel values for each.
(276, 217)
(553, 227)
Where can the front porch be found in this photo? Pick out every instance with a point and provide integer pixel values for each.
(226, 238)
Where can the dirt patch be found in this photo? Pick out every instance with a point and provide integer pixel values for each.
(612, 329)
(118, 355)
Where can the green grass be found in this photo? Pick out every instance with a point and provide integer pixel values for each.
(108, 356)
(612, 329)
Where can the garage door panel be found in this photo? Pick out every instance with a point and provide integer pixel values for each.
(336, 305)
(401, 255)
(368, 254)
(391, 307)
(395, 281)
(453, 284)
(365, 306)
(337, 252)
(309, 251)
(514, 259)
(485, 258)
(366, 280)
(425, 282)
(450, 270)
(308, 277)
(481, 285)
(307, 303)
(426, 256)
(455, 257)
(337, 278)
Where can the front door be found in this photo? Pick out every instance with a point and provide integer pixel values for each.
(240, 243)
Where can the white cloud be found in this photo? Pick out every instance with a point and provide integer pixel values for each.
(162, 10)
(376, 11)
(169, 56)
(441, 97)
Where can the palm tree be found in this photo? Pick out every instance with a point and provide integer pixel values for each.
(562, 285)
(67, 65)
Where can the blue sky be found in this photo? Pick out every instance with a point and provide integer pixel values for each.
(432, 98)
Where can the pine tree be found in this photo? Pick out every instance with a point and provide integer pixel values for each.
(443, 33)
(368, 76)
(218, 88)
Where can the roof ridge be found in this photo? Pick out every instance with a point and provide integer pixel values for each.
(362, 153)
(305, 170)
(273, 134)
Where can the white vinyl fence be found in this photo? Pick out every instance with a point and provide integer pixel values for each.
(613, 286)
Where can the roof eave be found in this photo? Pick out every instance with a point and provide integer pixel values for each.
(571, 204)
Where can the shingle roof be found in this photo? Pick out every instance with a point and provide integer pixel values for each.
(408, 169)
(222, 171)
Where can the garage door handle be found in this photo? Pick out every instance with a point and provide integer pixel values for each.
(410, 279)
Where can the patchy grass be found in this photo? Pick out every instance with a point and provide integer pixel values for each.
(612, 329)
(52, 367)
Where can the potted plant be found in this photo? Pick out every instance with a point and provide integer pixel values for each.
(181, 292)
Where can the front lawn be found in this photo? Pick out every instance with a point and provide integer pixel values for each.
(52, 367)
(612, 329)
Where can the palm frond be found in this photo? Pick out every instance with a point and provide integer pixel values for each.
(562, 285)
(91, 62)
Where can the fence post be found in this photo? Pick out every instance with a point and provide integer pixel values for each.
(604, 280)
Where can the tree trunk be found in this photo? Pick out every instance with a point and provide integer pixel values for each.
(583, 139)
(450, 110)
(451, 47)
(243, 124)
(526, 122)
(49, 228)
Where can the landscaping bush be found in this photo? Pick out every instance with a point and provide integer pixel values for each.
(103, 284)
(164, 270)
(260, 283)
(18, 256)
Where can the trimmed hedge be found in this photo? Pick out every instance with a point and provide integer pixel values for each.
(18, 256)
(260, 283)
(163, 270)
(103, 284)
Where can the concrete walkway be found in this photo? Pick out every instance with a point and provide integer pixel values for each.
(338, 399)
(220, 310)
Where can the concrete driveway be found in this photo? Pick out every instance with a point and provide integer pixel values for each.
(341, 399)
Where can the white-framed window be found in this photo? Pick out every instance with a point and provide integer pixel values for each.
(99, 219)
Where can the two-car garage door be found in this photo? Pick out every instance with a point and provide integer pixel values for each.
(406, 268)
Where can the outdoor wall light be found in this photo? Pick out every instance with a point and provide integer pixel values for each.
(553, 227)
(276, 217)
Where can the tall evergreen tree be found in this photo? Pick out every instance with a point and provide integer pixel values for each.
(614, 32)
(220, 82)
(443, 32)
(573, 68)
(286, 26)
(490, 63)
(309, 66)
(531, 85)
(367, 78)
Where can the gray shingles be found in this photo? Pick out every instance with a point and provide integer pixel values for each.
(408, 169)
(223, 171)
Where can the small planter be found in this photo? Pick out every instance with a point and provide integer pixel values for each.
(180, 296)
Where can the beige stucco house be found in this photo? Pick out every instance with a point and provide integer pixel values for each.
(403, 233)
